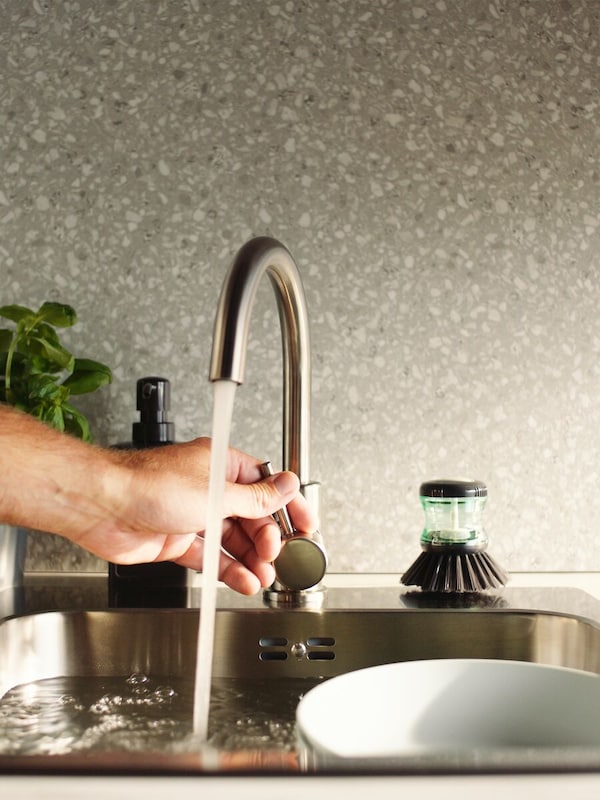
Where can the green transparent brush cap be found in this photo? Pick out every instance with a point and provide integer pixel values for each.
(453, 512)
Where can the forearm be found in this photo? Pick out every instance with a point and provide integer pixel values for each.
(52, 481)
(145, 505)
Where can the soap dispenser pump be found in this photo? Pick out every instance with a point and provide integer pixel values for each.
(153, 402)
(161, 583)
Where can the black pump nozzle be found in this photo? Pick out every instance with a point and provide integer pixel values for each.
(153, 403)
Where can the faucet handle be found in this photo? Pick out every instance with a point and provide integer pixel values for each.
(302, 562)
(281, 517)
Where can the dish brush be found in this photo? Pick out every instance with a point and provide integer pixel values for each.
(454, 543)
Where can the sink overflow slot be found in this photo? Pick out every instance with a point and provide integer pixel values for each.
(320, 641)
(316, 648)
(272, 641)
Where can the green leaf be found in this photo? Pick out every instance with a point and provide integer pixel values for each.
(31, 360)
(89, 365)
(88, 375)
(56, 353)
(59, 314)
(6, 338)
(16, 313)
(53, 416)
(44, 331)
(29, 364)
(44, 387)
(76, 423)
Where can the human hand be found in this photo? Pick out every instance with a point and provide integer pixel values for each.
(134, 506)
(163, 507)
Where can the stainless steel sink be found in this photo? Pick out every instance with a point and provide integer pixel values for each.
(271, 646)
(276, 645)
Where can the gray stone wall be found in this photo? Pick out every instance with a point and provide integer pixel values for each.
(433, 167)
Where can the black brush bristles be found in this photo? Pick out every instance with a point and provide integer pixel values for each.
(454, 570)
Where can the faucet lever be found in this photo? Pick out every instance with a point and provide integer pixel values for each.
(302, 562)
(281, 517)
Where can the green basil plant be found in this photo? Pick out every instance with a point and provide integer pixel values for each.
(38, 375)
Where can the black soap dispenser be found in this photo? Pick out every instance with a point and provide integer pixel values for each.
(161, 584)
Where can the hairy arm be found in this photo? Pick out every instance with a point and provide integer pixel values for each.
(51, 481)
(144, 505)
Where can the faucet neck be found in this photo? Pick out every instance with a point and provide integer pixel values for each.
(257, 257)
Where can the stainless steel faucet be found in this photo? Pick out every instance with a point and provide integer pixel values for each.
(302, 561)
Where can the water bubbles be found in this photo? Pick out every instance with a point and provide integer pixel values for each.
(102, 705)
(70, 701)
(163, 694)
(140, 692)
(137, 679)
(143, 713)
(67, 700)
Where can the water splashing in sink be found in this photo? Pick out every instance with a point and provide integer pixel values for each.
(223, 397)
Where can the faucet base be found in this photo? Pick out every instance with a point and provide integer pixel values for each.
(286, 598)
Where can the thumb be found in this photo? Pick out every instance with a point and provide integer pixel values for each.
(256, 500)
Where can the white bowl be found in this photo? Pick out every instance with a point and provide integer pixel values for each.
(451, 706)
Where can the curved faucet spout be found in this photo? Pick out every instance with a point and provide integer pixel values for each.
(257, 257)
(302, 561)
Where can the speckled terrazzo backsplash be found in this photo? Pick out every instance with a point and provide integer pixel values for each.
(433, 167)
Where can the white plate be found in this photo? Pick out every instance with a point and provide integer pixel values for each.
(449, 706)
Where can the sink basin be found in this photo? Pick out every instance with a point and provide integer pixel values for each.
(272, 651)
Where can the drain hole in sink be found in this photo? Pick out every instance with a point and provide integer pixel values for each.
(320, 641)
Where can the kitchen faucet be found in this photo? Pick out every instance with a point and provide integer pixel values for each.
(302, 562)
